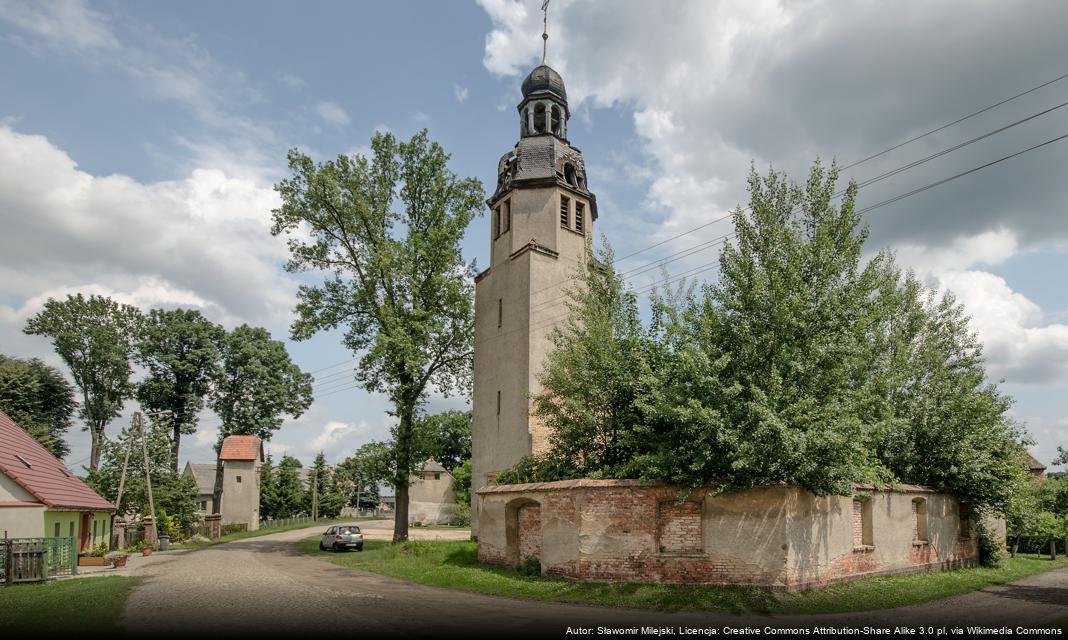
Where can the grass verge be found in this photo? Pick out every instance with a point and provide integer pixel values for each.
(79, 605)
(455, 565)
(241, 535)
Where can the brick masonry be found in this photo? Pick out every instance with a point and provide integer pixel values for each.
(778, 537)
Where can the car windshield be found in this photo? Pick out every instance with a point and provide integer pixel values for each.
(348, 530)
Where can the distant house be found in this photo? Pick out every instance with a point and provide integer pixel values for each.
(40, 497)
(204, 476)
(431, 499)
(1037, 469)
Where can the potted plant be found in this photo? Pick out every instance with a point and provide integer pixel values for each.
(93, 557)
(146, 549)
(117, 558)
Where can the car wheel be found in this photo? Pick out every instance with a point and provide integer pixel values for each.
(335, 548)
(321, 547)
(359, 548)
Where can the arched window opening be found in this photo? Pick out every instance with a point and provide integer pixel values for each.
(539, 118)
(557, 122)
(569, 175)
(919, 513)
(524, 127)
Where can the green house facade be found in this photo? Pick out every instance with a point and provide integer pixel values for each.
(41, 497)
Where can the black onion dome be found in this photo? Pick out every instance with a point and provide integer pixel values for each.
(544, 78)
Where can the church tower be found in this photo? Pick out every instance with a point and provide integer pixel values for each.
(541, 215)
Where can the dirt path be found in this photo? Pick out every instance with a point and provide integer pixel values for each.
(262, 586)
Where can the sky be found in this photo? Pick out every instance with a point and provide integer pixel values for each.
(140, 142)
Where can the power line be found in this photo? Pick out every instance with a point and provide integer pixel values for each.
(957, 121)
(868, 158)
(333, 366)
(961, 174)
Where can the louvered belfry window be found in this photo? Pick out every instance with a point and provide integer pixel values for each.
(565, 211)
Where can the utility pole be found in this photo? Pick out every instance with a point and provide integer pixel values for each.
(315, 494)
(116, 539)
(148, 475)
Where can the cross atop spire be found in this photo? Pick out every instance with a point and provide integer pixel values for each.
(545, 30)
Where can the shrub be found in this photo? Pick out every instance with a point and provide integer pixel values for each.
(990, 551)
(461, 515)
(530, 567)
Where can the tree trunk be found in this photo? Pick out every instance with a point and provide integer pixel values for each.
(1015, 546)
(95, 434)
(1053, 549)
(400, 521)
(216, 497)
(174, 446)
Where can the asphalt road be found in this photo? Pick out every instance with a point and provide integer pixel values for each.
(261, 587)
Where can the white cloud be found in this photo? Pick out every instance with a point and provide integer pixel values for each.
(716, 85)
(203, 241)
(461, 93)
(62, 23)
(332, 114)
(1019, 346)
(291, 80)
(988, 248)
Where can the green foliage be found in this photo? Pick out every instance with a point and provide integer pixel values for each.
(461, 515)
(990, 549)
(530, 567)
(168, 525)
(268, 489)
(331, 501)
(461, 483)
(396, 283)
(446, 437)
(175, 494)
(255, 386)
(291, 491)
(803, 364)
(359, 476)
(39, 399)
(95, 552)
(95, 337)
(179, 349)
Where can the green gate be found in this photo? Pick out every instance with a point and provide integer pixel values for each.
(37, 559)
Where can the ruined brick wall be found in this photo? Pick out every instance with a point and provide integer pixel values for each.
(778, 537)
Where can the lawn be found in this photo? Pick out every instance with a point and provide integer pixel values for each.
(83, 605)
(241, 535)
(454, 565)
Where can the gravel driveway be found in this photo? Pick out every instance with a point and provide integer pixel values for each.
(262, 586)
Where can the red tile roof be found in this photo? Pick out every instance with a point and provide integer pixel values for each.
(1033, 464)
(240, 448)
(36, 470)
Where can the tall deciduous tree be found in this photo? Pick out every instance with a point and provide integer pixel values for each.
(254, 388)
(95, 337)
(173, 493)
(386, 232)
(180, 350)
(447, 437)
(291, 491)
(39, 399)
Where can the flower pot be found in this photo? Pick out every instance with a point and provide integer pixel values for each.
(120, 561)
(146, 551)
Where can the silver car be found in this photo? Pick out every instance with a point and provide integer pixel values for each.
(342, 537)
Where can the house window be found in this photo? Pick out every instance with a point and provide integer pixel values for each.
(862, 529)
(437, 475)
(496, 223)
(71, 534)
(239, 479)
(919, 518)
(565, 211)
(507, 213)
(203, 505)
(498, 402)
(500, 312)
(94, 530)
(56, 534)
(580, 215)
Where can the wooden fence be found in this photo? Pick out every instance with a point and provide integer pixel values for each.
(36, 559)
